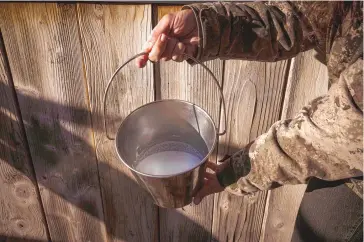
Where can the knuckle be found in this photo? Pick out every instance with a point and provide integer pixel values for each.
(168, 17)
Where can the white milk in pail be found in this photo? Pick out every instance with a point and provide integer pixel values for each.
(168, 158)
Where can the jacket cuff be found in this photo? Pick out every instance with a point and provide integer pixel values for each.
(238, 166)
(209, 29)
(195, 9)
(227, 176)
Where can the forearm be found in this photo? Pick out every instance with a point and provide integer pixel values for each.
(325, 140)
(256, 30)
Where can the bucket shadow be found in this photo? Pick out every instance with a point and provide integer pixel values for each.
(46, 157)
(4, 238)
(40, 135)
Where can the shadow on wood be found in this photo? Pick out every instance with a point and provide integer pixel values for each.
(74, 187)
(4, 238)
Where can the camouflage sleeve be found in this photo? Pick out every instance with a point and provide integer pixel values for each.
(325, 140)
(259, 31)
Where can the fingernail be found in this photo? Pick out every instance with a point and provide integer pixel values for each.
(163, 37)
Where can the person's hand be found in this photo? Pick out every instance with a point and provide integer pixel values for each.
(175, 34)
(211, 184)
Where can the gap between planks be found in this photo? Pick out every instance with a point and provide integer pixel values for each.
(93, 143)
(3, 55)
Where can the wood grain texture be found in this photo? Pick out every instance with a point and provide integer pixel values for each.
(163, 10)
(110, 35)
(45, 58)
(191, 83)
(307, 80)
(254, 92)
(21, 214)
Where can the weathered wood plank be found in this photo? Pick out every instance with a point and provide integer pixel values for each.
(21, 214)
(110, 35)
(45, 57)
(182, 81)
(307, 80)
(254, 92)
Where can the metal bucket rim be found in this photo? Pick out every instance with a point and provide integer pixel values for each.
(176, 174)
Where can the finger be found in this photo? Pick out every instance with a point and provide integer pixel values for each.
(158, 48)
(178, 52)
(167, 54)
(141, 61)
(190, 50)
(205, 191)
(147, 47)
(163, 27)
(211, 165)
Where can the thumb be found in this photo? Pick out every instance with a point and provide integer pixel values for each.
(163, 27)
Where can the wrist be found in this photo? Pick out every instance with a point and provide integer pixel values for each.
(236, 167)
(194, 8)
(226, 176)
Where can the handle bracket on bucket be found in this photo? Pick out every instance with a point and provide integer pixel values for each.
(189, 57)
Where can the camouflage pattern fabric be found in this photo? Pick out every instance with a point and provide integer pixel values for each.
(325, 139)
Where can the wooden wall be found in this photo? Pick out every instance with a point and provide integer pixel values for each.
(62, 180)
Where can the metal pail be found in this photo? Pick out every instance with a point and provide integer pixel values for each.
(166, 145)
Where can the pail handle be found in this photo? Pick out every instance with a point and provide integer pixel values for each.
(189, 57)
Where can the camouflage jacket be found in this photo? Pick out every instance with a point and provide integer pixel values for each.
(325, 139)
